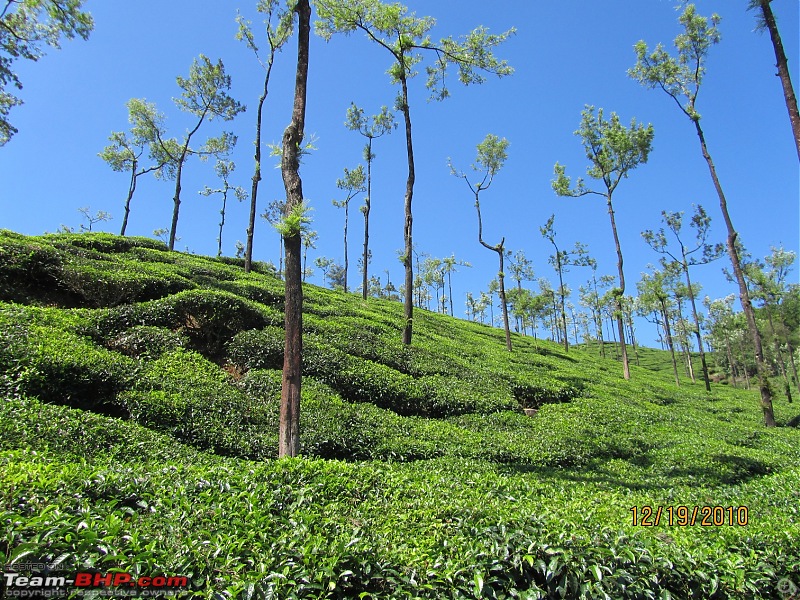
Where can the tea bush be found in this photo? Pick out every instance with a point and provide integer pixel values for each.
(448, 489)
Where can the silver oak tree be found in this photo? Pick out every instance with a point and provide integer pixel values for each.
(492, 155)
(26, 28)
(406, 37)
(278, 29)
(680, 78)
(613, 151)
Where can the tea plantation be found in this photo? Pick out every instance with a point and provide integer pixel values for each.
(138, 432)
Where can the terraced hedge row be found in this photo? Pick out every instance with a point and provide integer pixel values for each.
(139, 394)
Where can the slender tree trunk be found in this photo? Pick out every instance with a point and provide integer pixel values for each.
(408, 312)
(668, 332)
(346, 261)
(783, 71)
(222, 222)
(561, 295)
(131, 189)
(500, 249)
(289, 433)
(450, 292)
(685, 342)
(633, 338)
(248, 254)
(731, 363)
(626, 372)
(744, 294)
(501, 277)
(598, 325)
(367, 201)
(685, 267)
(176, 203)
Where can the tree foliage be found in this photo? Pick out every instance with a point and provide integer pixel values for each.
(27, 27)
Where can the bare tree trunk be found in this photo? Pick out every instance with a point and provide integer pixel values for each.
(668, 333)
(367, 202)
(346, 261)
(222, 222)
(561, 294)
(633, 338)
(501, 277)
(696, 322)
(176, 204)
(408, 312)
(500, 249)
(783, 71)
(626, 371)
(289, 428)
(131, 189)
(744, 294)
(248, 255)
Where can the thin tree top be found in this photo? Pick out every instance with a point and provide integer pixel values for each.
(405, 35)
(205, 91)
(491, 156)
(679, 77)
(612, 149)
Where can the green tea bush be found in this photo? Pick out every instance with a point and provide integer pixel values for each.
(183, 394)
(143, 341)
(31, 425)
(28, 268)
(209, 319)
(99, 284)
(59, 366)
(106, 243)
(258, 348)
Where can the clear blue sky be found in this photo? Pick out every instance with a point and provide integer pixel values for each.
(566, 54)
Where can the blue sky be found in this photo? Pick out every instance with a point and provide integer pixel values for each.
(566, 55)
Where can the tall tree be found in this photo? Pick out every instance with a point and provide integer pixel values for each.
(273, 215)
(492, 154)
(405, 37)
(654, 296)
(125, 153)
(278, 28)
(521, 270)
(353, 183)
(26, 28)
(371, 128)
(309, 241)
(698, 253)
(768, 282)
(289, 426)
(613, 151)
(680, 78)
(223, 169)
(766, 20)
(204, 95)
(449, 265)
(720, 318)
(560, 261)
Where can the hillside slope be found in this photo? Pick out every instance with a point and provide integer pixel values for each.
(138, 430)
